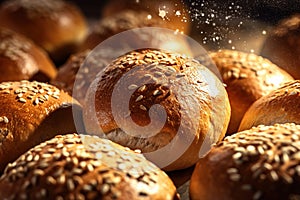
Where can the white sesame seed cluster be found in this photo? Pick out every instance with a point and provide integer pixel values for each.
(64, 168)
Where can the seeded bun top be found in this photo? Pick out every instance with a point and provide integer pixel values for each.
(57, 26)
(281, 45)
(31, 112)
(21, 59)
(260, 163)
(84, 167)
(279, 106)
(247, 77)
(149, 99)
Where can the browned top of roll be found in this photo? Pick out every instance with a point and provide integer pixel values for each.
(20, 59)
(194, 100)
(260, 163)
(247, 77)
(57, 26)
(132, 19)
(84, 167)
(279, 106)
(81, 70)
(27, 110)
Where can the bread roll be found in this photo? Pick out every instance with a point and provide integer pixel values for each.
(79, 69)
(169, 106)
(281, 45)
(84, 167)
(57, 26)
(174, 13)
(247, 77)
(20, 59)
(279, 106)
(260, 163)
(130, 20)
(32, 112)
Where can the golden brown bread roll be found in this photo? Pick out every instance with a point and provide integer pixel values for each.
(32, 112)
(279, 106)
(282, 45)
(260, 163)
(131, 19)
(174, 12)
(57, 26)
(20, 59)
(79, 69)
(169, 106)
(84, 167)
(247, 77)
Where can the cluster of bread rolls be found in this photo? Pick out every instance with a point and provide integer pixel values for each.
(118, 108)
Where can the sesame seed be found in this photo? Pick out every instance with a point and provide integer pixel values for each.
(285, 158)
(141, 89)
(90, 167)
(87, 188)
(38, 172)
(132, 87)
(122, 166)
(61, 179)
(70, 185)
(139, 98)
(142, 107)
(246, 187)
(287, 178)
(232, 170)
(104, 188)
(274, 175)
(22, 100)
(257, 195)
(237, 155)
(235, 177)
(260, 150)
(157, 92)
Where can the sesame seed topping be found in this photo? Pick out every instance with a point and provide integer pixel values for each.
(132, 87)
(142, 89)
(142, 107)
(257, 195)
(157, 92)
(22, 100)
(139, 98)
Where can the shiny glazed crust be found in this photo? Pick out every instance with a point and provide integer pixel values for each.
(20, 59)
(247, 77)
(31, 112)
(260, 163)
(279, 106)
(195, 103)
(57, 26)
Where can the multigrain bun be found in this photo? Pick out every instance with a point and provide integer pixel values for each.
(281, 45)
(20, 59)
(158, 102)
(82, 69)
(279, 106)
(247, 77)
(131, 19)
(84, 167)
(31, 112)
(174, 13)
(57, 26)
(260, 163)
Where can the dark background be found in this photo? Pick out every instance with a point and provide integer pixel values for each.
(265, 10)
